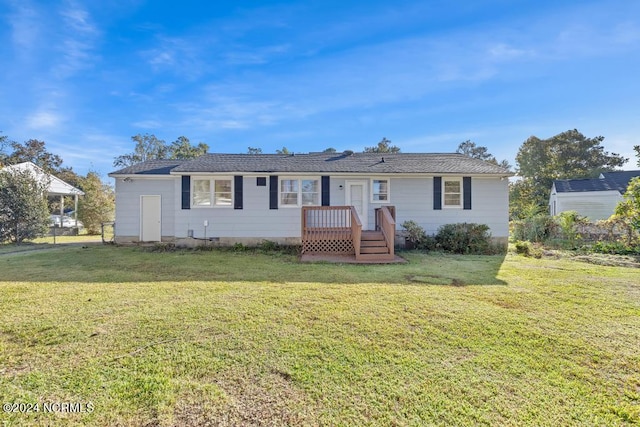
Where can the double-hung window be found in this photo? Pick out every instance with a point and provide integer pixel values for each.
(380, 190)
(451, 192)
(210, 192)
(299, 192)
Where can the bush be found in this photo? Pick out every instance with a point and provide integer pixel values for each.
(414, 233)
(23, 207)
(464, 238)
(527, 249)
(537, 228)
(613, 248)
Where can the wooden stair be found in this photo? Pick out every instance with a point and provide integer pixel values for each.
(373, 247)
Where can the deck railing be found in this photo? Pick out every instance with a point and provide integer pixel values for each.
(331, 229)
(386, 222)
(356, 231)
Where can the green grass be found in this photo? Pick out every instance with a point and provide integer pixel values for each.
(224, 338)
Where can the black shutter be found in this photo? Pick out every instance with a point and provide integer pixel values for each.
(273, 192)
(437, 193)
(237, 192)
(186, 192)
(466, 192)
(326, 195)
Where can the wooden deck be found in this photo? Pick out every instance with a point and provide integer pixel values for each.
(331, 231)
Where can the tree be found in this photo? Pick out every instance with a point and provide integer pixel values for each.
(330, 150)
(23, 206)
(628, 210)
(181, 148)
(252, 150)
(567, 155)
(284, 150)
(384, 146)
(33, 151)
(97, 205)
(637, 149)
(469, 148)
(147, 147)
(3, 143)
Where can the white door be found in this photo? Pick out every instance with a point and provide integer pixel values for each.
(356, 196)
(150, 208)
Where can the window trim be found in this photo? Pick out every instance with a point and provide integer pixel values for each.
(212, 192)
(299, 191)
(444, 193)
(371, 185)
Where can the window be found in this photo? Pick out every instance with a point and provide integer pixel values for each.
(380, 190)
(452, 193)
(212, 192)
(299, 192)
(222, 194)
(201, 192)
(289, 192)
(310, 193)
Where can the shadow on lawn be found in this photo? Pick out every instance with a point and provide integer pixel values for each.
(112, 264)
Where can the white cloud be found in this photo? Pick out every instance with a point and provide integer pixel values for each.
(44, 119)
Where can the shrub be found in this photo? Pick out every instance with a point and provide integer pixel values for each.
(414, 233)
(537, 228)
(23, 207)
(523, 248)
(568, 222)
(613, 248)
(527, 249)
(464, 238)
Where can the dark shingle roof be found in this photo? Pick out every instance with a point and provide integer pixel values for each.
(581, 185)
(621, 178)
(371, 163)
(150, 167)
(612, 181)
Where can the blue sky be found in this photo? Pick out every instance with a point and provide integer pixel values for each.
(86, 76)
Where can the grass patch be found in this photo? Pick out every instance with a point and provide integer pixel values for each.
(226, 338)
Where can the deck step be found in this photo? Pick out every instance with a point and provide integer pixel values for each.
(372, 235)
(374, 250)
(375, 257)
(373, 243)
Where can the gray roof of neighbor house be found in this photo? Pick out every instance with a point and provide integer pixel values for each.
(610, 181)
(621, 178)
(371, 163)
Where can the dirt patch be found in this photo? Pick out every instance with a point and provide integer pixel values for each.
(250, 400)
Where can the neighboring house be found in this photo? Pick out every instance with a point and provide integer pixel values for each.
(55, 186)
(594, 198)
(247, 198)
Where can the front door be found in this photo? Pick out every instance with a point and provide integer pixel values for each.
(150, 208)
(356, 196)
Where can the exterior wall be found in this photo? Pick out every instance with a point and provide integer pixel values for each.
(128, 205)
(412, 197)
(255, 220)
(595, 205)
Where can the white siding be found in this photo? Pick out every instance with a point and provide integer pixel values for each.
(412, 197)
(595, 205)
(255, 220)
(128, 204)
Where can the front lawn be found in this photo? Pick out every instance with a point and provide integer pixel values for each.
(224, 338)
